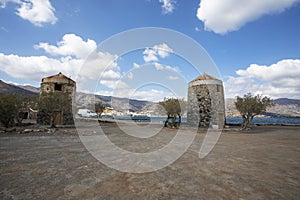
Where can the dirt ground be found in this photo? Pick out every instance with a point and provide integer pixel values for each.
(263, 163)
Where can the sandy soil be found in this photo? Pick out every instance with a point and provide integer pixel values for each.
(263, 163)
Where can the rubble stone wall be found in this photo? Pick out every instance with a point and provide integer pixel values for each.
(206, 107)
(68, 87)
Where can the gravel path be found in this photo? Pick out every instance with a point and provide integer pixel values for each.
(263, 163)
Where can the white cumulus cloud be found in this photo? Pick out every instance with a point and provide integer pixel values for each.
(153, 95)
(136, 66)
(70, 45)
(160, 67)
(38, 12)
(150, 55)
(173, 77)
(168, 6)
(71, 53)
(222, 16)
(161, 50)
(36, 67)
(130, 75)
(282, 69)
(281, 79)
(147, 95)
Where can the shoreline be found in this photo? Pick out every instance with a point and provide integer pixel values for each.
(71, 129)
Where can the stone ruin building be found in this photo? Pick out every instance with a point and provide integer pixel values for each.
(65, 85)
(206, 105)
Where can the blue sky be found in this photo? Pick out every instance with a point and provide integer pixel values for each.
(254, 44)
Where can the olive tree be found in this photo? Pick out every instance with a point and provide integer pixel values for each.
(249, 106)
(173, 108)
(99, 107)
(10, 105)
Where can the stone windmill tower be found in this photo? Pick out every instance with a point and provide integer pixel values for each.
(65, 86)
(206, 105)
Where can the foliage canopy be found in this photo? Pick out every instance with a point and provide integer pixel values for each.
(10, 105)
(249, 106)
(99, 107)
(173, 108)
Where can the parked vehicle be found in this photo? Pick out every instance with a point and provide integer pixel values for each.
(87, 113)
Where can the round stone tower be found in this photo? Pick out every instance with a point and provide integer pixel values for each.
(206, 107)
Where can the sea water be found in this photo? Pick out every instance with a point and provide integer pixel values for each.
(269, 120)
(234, 120)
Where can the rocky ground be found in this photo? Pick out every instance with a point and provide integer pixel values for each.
(263, 163)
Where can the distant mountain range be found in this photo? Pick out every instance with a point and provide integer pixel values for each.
(286, 101)
(283, 106)
(82, 99)
(6, 88)
(120, 104)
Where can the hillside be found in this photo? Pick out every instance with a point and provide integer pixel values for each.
(30, 88)
(82, 99)
(283, 107)
(6, 88)
(120, 104)
(286, 101)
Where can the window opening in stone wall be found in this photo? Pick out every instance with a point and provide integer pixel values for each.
(57, 87)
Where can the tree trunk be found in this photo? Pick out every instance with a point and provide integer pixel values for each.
(166, 122)
(246, 122)
(179, 121)
(52, 122)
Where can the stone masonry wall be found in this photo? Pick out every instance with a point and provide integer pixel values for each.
(206, 106)
(68, 87)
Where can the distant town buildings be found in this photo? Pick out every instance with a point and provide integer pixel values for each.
(206, 105)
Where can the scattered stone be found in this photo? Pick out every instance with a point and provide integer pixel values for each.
(13, 129)
(38, 130)
(51, 130)
(27, 131)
